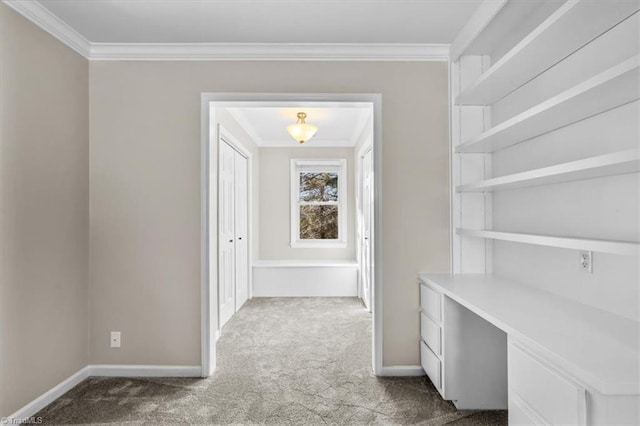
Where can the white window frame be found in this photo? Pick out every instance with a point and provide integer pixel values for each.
(338, 165)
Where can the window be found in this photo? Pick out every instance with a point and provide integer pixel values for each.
(318, 203)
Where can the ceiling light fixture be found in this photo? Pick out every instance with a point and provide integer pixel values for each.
(301, 131)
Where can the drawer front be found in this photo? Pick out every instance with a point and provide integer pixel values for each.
(557, 399)
(431, 302)
(431, 365)
(431, 333)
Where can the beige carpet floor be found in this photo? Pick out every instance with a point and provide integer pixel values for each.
(294, 361)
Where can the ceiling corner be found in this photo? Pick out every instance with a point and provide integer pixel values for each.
(43, 18)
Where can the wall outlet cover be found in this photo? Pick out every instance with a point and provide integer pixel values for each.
(586, 261)
(115, 339)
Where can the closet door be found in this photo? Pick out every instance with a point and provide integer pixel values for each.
(241, 230)
(226, 232)
(367, 228)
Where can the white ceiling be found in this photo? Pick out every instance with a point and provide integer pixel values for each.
(264, 21)
(337, 127)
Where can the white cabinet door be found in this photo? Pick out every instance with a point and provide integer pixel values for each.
(241, 230)
(226, 233)
(367, 228)
(549, 394)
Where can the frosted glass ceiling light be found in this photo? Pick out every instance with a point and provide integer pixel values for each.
(301, 131)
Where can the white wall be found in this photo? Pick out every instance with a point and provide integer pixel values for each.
(44, 222)
(145, 193)
(275, 204)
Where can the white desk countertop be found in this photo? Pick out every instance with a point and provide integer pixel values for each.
(599, 348)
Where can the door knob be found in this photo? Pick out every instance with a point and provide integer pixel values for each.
(239, 238)
(230, 241)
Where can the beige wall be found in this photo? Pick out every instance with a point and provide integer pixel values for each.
(44, 197)
(145, 193)
(144, 226)
(275, 204)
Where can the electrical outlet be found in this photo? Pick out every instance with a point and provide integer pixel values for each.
(586, 261)
(115, 339)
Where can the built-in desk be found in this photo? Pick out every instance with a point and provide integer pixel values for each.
(560, 352)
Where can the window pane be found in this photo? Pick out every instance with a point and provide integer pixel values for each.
(318, 186)
(318, 222)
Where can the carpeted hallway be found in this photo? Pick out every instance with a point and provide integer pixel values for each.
(298, 361)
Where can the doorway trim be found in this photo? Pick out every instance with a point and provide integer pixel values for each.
(209, 208)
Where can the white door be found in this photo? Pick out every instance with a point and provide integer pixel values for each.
(226, 233)
(366, 241)
(241, 230)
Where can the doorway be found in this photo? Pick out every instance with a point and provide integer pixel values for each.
(213, 244)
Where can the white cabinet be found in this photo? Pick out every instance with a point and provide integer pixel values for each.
(561, 363)
(463, 355)
(431, 303)
(541, 392)
(431, 333)
(431, 365)
(547, 392)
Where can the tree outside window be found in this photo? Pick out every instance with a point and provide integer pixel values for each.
(318, 210)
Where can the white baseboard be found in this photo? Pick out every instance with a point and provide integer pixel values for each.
(30, 410)
(116, 370)
(402, 371)
(305, 279)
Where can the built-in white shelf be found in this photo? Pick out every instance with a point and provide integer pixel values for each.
(599, 348)
(612, 88)
(546, 45)
(492, 21)
(627, 248)
(594, 167)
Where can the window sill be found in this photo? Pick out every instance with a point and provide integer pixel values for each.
(318, 244)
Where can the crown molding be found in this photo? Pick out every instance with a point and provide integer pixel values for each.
(42, 17)
(269, 52)
(45, 19)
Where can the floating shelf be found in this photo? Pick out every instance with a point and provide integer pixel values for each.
(603, 246)
(492, 21)
(610, 89)
(545, 46)
(496, 20)
(604, 165)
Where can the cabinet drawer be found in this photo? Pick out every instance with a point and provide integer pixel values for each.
(557, 399)
(431, 333)
(431, 302)
(431, 365)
